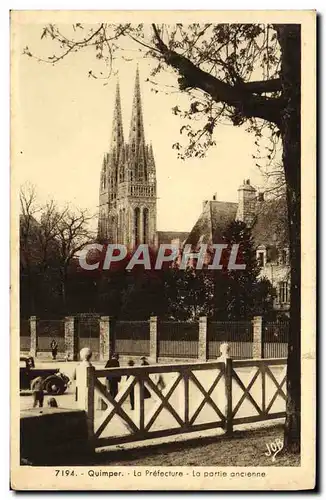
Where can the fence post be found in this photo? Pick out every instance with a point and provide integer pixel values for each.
(105, 339)
(257, 346)
(202, 340)
(228, 396)
(33, 338)
(70, 347)
(153, 344)
(85, 381)
(139, 402)
(89, 403)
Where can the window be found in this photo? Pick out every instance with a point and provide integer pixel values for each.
(261, 259)
(284, 257)
(145, 225)
(122, 174)
(137, 225)
(283, 292)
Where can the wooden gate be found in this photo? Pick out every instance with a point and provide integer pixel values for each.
(192, 397)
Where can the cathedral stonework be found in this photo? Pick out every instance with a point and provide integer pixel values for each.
(127, 204)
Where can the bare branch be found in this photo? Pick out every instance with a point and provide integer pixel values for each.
(237, 96)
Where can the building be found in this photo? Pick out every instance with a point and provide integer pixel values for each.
(127, 205)
(267, 219)
(127, 199)
(128, 209)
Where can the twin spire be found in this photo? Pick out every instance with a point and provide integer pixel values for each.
(136, 134)
(128, 161)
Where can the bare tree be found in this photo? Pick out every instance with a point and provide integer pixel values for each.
(29, 208)
(50, 238)
(48, 232)
(73, 234)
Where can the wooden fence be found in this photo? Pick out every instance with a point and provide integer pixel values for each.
(192, 397)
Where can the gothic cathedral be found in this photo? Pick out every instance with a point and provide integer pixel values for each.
(127, 205)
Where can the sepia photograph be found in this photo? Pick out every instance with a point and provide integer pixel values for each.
(162, 192)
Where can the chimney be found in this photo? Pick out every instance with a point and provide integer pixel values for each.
(246, 203)
(260, 196)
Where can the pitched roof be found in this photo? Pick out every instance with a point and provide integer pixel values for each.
(270, 227)
(214, 219)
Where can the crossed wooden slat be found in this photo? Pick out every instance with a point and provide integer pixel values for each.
(116, 408)
(246, 392)
(163, 401)
(207, 396)
(279, 390)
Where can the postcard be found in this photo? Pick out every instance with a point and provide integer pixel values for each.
(163, 215)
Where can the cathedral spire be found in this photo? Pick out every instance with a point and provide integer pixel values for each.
(136, 134)
(117, 139)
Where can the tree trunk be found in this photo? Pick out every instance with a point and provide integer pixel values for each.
(290, 41)
(64, 276)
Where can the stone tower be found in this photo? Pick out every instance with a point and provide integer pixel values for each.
(127, 206)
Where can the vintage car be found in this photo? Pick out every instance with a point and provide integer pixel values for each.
(55, 382)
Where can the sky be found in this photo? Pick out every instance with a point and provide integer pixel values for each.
(62, 128)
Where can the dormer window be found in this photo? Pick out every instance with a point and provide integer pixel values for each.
(261, 255)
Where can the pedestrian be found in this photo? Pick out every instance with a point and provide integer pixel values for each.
(38, 392)
(52, 403)
(158, 377)
(113, 380)
(159, 380)
(30, 362)
(54, 349)
(132, 391)
(144, 362)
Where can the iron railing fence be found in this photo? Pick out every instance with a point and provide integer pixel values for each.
(132, 337)
(25, 335)
(239, 334)
(275, 339)
(175, 339)
(87, 333)
(48, 330)
(178, 339)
